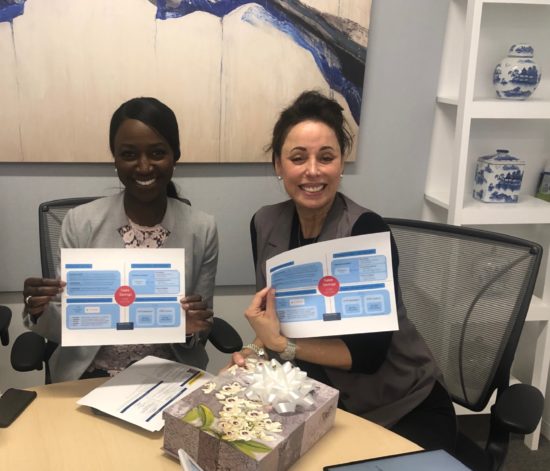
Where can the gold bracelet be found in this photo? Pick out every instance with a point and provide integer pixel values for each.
(257, 350)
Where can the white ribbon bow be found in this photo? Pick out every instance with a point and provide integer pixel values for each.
(284, 387)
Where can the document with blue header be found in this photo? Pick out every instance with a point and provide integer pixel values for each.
(122, 296)
(141, 392)
(337, 287)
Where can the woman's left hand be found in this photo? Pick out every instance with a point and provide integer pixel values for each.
(263, 319)
(197, 315)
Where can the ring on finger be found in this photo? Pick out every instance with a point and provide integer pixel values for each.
(27, 299)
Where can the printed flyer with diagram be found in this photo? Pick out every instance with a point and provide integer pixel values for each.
(337, 287)
(141, 392)
(122, 296)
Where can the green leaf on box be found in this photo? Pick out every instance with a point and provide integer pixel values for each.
(192, 415)
(207, 414)
(250, 447)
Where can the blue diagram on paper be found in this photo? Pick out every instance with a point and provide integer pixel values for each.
(357, 301)
(85, 314)
(292, 276)
(93, 312)
(154, 281)
(92, 282)
(147, 314)
(363, 292)
(354, 299)
(299, 306)
(353, 269)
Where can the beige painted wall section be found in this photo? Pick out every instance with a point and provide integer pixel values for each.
(10, 143)
(188, 58)
(72, 68)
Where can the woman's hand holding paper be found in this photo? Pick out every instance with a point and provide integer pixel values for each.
(263, 319)
(197, 315)
(38, 292)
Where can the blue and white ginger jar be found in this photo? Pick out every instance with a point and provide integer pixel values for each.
(517, 76)
(498, 178)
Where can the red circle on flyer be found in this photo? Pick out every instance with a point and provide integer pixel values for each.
(124, 296)
(328, 286)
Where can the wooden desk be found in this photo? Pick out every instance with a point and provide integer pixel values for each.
(56, 434)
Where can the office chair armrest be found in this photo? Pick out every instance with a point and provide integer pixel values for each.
(519, 408)
(27, 353)
(5, 320)
(224, 337)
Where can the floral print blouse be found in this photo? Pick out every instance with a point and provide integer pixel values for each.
(115, 358)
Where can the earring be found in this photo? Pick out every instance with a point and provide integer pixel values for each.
(279, 177)
(341, 175)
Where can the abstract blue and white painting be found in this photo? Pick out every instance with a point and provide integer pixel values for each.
(10, 9)
(226, 67)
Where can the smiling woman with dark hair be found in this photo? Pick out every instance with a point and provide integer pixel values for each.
(144, 141)
(387, 377)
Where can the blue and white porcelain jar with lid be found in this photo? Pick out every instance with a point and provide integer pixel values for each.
(498, 178)
(517, 75)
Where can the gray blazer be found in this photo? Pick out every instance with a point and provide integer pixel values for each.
(408, 373)
(95, 225)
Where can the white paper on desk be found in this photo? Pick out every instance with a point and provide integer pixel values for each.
(141, 392)
(122, 296)
(337, 287)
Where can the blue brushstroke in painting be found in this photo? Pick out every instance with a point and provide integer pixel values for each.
(325, 59)
(10, 9)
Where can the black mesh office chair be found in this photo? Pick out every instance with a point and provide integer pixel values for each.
(468, 291)
(26, 344)
(5, 320)
(31, 349)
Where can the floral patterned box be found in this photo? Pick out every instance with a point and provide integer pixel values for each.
(259, 418)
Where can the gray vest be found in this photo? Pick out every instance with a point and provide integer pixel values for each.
(407, 375)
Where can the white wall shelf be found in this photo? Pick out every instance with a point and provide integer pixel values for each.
(538, 310)
(529, 210)
(491, 108)
(498, 109)
(470, 121)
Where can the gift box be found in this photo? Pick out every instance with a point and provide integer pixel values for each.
(257, 418)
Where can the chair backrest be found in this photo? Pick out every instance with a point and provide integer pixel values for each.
(5, 320)
(50, 218)
(467, 291)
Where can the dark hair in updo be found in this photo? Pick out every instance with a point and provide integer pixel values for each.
(154, 114)
(311, 106)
